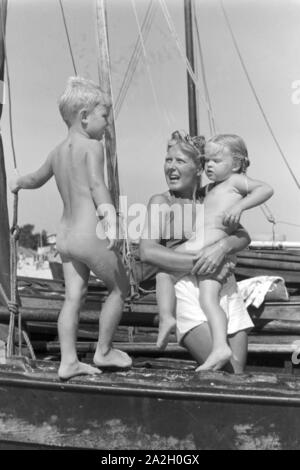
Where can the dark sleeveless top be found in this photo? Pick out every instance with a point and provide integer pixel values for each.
(145, 271)
(174, 242)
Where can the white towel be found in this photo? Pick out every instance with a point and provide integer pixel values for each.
(254, 290)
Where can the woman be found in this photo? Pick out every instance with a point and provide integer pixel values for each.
(164, 229)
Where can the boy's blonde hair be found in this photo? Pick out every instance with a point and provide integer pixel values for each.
(80, 93)
(236, 146)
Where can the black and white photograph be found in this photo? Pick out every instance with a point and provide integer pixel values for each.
(149, 227)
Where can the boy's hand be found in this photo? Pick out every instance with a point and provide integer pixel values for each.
(113, 234)
(13, 184)
(232, 216)
(113, 244)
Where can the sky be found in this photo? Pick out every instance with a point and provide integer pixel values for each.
(267, 32)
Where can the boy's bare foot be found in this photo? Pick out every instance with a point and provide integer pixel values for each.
(165, 327)
(113, 358)
(65, 372)
(216, 360)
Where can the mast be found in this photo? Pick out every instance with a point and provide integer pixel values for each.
(4, 223)
(105, 84)
(189, 44)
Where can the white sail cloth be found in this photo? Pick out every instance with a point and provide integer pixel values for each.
(257, 289)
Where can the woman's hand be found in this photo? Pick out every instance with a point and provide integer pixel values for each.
(224, 271)
(209, 258)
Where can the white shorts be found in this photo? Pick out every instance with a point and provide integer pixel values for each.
(189, 313)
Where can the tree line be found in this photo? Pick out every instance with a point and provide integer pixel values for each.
(29, 239)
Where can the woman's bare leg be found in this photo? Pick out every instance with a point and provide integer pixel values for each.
(198, 342)
(239, 346)
(166, 301)
(76, 276)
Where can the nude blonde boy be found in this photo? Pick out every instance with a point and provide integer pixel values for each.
(77, 164)
(230, 193)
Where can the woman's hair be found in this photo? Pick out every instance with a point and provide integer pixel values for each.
(236, 146)
(193, 147)
(80, 93)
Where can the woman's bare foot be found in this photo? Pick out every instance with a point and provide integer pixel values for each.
(216, 360)
(113, 358)
(165, 327)
(67, 371)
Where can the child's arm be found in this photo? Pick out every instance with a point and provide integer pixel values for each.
(33, 180)
(254, 193)
(100, 193)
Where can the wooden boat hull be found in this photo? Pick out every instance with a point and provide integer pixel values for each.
(148, 409)
(283, 263)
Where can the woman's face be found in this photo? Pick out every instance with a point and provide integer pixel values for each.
(181, 172)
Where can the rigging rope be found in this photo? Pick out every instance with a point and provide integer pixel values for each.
(68, 37)
(287, 223)
(256, 96)
(268, 214)
(135, 57)
(131, 67)
(211, 120)
(270, 218)
(182, 53)
(158, 107)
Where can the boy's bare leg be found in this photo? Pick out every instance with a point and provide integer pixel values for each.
(166, 301)
(76, 277)
(210, 303)
(109, 268)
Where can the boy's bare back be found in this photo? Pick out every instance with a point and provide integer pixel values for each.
(72, 163)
